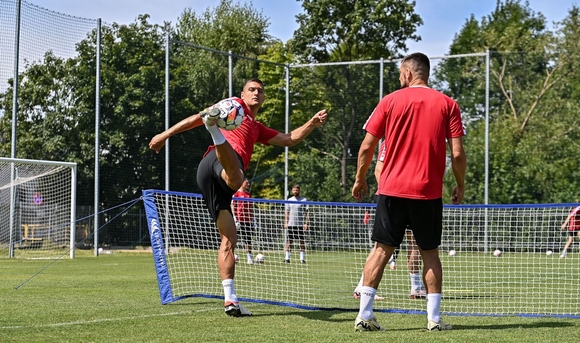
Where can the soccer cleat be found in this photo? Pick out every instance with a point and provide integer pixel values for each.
(209, 116)
(563, 256)
(418, 293)
(432, 326)
(361, 325)
(236, 310)
(303, 261)
(393, 265)
(286, 261)
(250, 261)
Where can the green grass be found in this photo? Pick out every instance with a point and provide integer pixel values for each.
(114, 298)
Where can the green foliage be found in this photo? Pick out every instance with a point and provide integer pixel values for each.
(334, 30)
(533, 118)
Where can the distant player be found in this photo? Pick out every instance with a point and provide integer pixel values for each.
(296, 222)
(573, 223)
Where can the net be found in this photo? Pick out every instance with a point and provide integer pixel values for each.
(37, 209)
(524, 280)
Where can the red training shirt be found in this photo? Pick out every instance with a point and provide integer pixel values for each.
(243, 209)
(415, 122)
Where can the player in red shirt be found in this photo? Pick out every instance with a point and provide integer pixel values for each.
(416, 122)
(244, 217)
(573, 223)
(222, 170)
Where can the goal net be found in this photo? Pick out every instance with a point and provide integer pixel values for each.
(37, 208)
(523, 280)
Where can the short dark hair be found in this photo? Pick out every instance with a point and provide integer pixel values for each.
(254, 79)
(419, 63)
(296, 186)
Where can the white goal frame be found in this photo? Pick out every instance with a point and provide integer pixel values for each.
(14, 180)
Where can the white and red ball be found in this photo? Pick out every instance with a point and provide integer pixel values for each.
(497, 253)
(231, 114)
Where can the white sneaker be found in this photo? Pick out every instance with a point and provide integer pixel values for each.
(250, 261)
(209, 116)
(361, 325)
(432, 326)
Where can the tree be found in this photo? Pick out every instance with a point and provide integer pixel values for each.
(529, 64)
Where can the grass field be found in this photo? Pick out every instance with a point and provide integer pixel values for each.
(114, 298)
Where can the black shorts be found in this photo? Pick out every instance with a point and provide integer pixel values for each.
(573, 233)
(296, 233)
(423, 217)
(217, 195)
(245, 232)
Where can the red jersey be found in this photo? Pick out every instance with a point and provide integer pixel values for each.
(575, 220)
(243, 209)
(246, 135)
(415, 122)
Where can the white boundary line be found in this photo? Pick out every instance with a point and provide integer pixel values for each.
(103, 320)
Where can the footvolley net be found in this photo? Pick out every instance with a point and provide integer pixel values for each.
(525, 280)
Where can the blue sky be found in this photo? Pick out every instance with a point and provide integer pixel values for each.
(442, 18)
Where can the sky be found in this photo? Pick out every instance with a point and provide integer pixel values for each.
(442, 18)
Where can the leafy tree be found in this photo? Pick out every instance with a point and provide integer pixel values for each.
(529, 64)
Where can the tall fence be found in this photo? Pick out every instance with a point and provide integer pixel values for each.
(324, 164)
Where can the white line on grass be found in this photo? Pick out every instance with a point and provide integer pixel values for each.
(82, 322)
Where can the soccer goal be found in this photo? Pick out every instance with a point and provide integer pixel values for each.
(526, 278)
(37, 208)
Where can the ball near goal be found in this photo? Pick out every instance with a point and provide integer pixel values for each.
(260, 258)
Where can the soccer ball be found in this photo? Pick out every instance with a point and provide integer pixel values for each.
(452, 252)
(549, 252)
(497, 253)
(260, 258)
(236, 258)
(231, 114)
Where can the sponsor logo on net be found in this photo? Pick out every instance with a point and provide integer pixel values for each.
(157, 242)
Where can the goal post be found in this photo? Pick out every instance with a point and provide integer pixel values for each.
(37, 208)
(523, 280)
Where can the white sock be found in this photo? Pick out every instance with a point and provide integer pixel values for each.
(250, 257)
(216, 135)
(229, 293)
(433, 304)
(287, 255)
(367, 297)
(416, 283)
(302, 255)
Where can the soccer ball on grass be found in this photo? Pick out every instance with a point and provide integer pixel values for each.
(260, 258)
(452, 252)
(497, 253)
(231, 114)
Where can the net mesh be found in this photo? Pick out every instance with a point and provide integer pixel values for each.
(524, 280)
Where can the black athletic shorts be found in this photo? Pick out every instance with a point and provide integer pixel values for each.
(245, 232)
(217, 195)
(296, 233)
(394, 215)
(573, 233)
